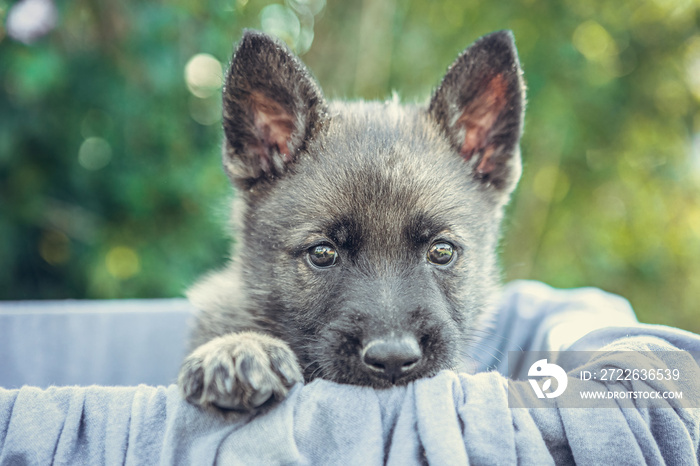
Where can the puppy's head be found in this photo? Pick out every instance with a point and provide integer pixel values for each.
(368, 230)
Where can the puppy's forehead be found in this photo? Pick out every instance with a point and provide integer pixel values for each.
(380, 170)
(389, 154)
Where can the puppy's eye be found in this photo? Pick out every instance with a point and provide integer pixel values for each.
(323, 255)
(440, 253)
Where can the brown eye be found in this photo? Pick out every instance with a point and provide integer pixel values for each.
(323, 255)
(440, 253)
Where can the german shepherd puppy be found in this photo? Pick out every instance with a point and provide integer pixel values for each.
(366, 231)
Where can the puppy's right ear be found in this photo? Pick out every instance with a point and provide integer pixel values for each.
(272, 108)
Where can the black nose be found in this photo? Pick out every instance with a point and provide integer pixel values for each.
(392, 358)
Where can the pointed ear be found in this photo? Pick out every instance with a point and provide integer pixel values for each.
(479, 106)
(272, 108)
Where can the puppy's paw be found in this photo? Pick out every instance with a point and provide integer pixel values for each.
(239, 372)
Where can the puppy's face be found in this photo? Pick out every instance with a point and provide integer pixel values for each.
(369, 229)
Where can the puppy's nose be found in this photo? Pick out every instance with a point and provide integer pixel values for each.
(392, 358)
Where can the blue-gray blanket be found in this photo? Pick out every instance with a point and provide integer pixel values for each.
(452, 418)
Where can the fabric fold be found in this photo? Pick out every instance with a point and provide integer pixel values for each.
(451, 418)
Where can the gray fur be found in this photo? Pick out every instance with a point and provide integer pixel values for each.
(379, 181)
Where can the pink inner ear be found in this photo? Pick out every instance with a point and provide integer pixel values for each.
(478, 119)
(274, 127)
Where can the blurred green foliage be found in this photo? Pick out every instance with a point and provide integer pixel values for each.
(110, 179)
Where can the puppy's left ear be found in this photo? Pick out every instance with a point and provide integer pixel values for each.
(479, 106)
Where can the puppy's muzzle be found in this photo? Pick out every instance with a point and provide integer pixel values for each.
(392, 358)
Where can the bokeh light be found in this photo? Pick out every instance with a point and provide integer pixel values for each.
(122, 262)
(94, 153)
(54, 247)
(280, 21)
(593, 41)
(28, 20)
(203, 75)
